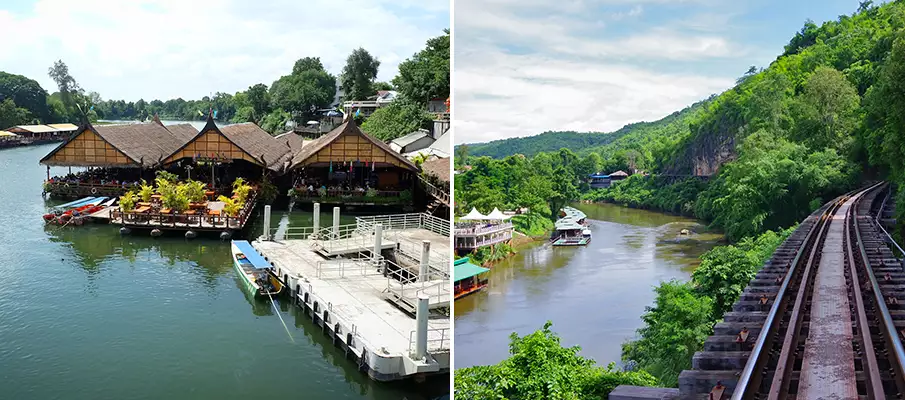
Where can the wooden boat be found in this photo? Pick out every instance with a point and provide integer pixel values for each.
(467, 278)
(75, 215)
(254, 271)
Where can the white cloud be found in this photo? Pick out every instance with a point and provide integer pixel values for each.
(527, 67)
(503, 95)
(178, 48)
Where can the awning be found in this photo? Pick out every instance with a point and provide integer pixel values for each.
(474, 215)
(251, 254)
(567, 224)
(465, 269)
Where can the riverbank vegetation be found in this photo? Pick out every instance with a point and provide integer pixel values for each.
(684, 313)
(295, 97)
(539, 367)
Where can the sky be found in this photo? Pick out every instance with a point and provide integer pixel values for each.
(163, 49)
(523, 67)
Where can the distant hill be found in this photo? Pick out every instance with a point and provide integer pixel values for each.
(674, 125)
(531, 145)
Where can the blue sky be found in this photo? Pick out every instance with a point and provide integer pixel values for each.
(523, 67)
(188, 48)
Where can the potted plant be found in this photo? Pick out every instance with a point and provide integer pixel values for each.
(146, 191)
(127, 202)
(230, 206)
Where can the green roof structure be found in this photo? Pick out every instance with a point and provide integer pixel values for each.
(464, 269)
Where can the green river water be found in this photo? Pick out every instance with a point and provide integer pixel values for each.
(88, 314)
(594, 295)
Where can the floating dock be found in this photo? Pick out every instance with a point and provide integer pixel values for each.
(387, 309)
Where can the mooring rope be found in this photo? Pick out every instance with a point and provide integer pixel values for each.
(277, 310)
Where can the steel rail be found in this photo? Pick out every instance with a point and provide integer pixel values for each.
(756, 358)
(870, 365)
(779, 385)
(758, 354)
(898, 352)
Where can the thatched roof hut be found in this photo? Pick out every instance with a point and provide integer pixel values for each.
(246, 142)
(348, 143)
(131, 145)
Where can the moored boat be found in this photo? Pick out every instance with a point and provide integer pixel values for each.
(571, 229)
(254, 271)
(467, 278)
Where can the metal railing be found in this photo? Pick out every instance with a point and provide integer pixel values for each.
(438, 261)
(437, 339)
(481, 230)
(406, 221)
(473, 242)
(339, 268)
(432, 190)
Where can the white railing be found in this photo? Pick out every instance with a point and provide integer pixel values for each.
(339, 268)
(437, 340)
(475, 242)
(406, 221)
(480, 230)
(436, 259)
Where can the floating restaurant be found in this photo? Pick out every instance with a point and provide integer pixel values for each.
(468, 278)
(345, 166)
(571, 229)
(477, 230)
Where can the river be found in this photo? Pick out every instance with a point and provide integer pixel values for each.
(88, 314)
(594, 295)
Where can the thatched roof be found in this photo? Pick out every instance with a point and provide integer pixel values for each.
(438, 168)
(145, 144)
(183, 131)
(257, 143)
(347, 128)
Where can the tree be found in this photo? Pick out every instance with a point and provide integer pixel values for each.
(827, 110)
(378, 86)
(539, 367)
(25, 93)
(72, 95)
(359, 74)
(425, 76)
(397, 119)
(10, 115)
(675, 327)
(461, 155)
(259, 99)
(308, 88)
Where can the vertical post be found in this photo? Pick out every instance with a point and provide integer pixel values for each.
(378, 237)
(48, 172)
(317, 219)
(425, 260)
(336, 222)
(267, 222)
(421, 327)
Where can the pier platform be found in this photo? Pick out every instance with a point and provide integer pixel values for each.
(366, 302)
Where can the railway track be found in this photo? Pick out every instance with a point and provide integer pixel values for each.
(823, 318)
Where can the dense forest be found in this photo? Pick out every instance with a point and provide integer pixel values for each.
(297, 96)
(826, 115)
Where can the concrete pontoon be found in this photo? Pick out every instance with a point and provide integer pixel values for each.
(387, 309)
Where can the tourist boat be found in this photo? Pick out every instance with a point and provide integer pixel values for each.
(467, 277)
(571, 229)
(255, 272)
(78, 214)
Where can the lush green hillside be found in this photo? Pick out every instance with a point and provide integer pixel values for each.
(531, 145)
(660, 134)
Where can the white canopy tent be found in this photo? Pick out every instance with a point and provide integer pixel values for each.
(496, 214)
(474, 215)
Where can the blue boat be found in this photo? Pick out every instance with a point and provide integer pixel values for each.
(74, 204)
(256, 273)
